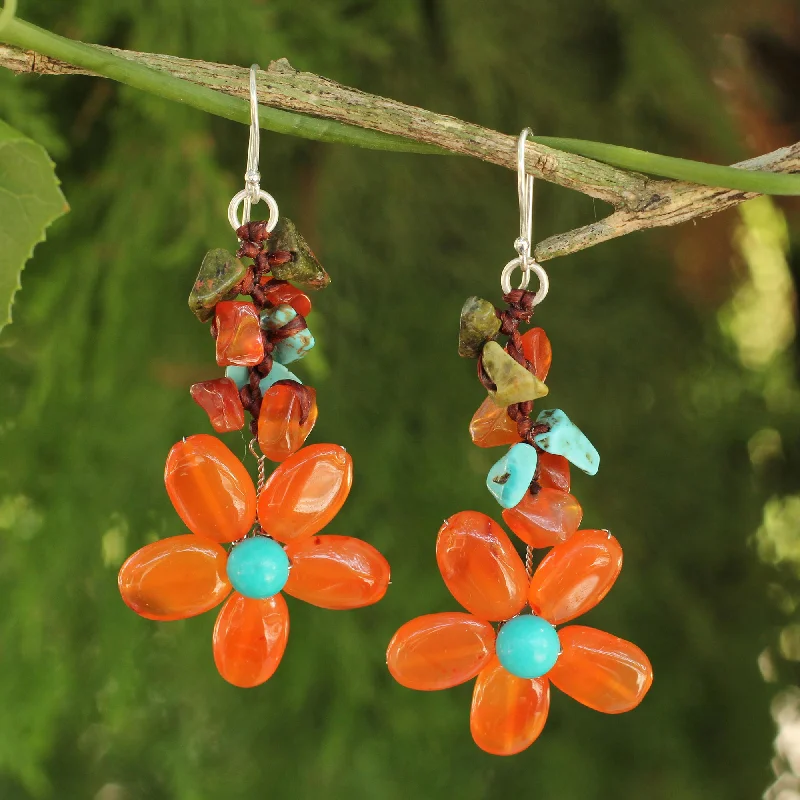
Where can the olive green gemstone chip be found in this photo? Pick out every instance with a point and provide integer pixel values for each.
(479, 324)
(303, 269)
(219, 274)
(514, 383)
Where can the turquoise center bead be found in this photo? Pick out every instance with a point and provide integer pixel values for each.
(528, 646)
(566, 439)
(510, 477)
(258, 567)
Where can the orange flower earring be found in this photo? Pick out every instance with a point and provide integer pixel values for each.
(272, 529)
(509, 640)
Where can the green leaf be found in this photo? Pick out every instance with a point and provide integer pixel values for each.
(682, 169)
(30, 199)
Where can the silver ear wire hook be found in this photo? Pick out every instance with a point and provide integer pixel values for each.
(525, 194)
(252, 178)
(252, 192)
(523, 245)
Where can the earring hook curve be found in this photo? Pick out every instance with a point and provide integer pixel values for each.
(252, 192)
(523, 244)
(525, 195)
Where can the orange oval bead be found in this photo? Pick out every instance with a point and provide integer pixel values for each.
(480, 566)
(537, 349)
(175, 578)
(439, 651)
(239, 339)
(508, 713)
(305, 492)
(601, 671)
(491, 426)
(282, 428)
(210, 488)
(220, 400)
(249, 639)
(575, 576)
(336, 572)
(546, 518)
(553, 472)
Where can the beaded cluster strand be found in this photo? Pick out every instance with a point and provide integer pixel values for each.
(520, 309)
(256, 339)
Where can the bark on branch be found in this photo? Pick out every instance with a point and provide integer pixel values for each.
(640, 202)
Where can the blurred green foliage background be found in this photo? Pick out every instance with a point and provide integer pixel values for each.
(674, 350)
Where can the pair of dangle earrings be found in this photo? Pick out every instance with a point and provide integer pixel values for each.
(508, 640)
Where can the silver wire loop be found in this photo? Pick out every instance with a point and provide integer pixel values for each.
(533, 267)
(241, 197)
(523, 244)
(252, 192)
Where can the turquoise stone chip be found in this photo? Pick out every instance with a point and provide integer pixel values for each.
(239, 375)
(528, 646)
(293, 347)
(566, 439)
(277, 373)
(511, 476)
(274, 318)
(258, 567)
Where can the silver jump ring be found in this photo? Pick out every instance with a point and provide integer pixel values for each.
(240, 197)
(533, 266)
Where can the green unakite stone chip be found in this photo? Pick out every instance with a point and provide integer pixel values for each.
(303, 269)
(479, 324)
(514, 383)
(219, 274)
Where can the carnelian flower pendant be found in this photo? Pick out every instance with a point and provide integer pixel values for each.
(186, 575)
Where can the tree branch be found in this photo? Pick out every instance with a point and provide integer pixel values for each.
(315, 107)
(672, 202)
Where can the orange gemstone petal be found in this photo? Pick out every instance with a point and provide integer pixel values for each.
(305, 492)
(336, 572)
(438, 651)
(278, 292)
(210, 488)
(250, 638)
(537, 349)
(575, 576)
(491, 426)
(601, 671)
(508, 713)
(239, 339)
(546, 518)
(280, 432)
(175, 578)
(220, 400)
(480, 566)
(553, 472)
